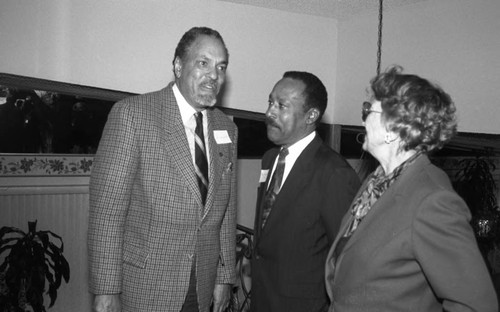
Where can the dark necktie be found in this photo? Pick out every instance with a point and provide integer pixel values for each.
(200, 156)
(274, 186)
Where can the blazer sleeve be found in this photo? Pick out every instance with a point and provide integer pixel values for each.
(447, 251)
(111, 181)
(226, 271)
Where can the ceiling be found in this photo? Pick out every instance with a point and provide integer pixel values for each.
(337, 9)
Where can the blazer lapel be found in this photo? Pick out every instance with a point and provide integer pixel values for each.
(331, 264)
(374, 216)
(216, 166)
(376, 212)
(293, 184)
(387, 201)
(267, 164)
(176, 142)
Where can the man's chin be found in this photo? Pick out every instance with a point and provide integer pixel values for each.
(272, 134)
(207, 101)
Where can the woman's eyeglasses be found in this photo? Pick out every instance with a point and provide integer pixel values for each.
(366, 110)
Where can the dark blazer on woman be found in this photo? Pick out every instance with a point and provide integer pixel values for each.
(413, 251)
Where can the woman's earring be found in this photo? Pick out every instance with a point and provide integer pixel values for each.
(387, 138)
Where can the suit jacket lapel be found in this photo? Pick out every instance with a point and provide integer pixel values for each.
(216, 167)
(375, 213)
(331, 261)
(293, 184)
(176, 141)
(267, 164)
(384, 204)
(387, 201)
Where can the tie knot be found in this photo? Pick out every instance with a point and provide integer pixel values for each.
(198, 116)
(283, 153)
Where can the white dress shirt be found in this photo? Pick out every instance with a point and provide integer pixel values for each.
(294, 152)
(189, 121)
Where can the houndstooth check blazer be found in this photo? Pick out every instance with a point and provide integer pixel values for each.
(146, 219)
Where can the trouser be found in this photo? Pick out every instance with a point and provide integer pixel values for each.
(191, 301)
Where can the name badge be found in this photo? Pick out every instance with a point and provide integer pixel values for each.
(263, 175)
(222, 137)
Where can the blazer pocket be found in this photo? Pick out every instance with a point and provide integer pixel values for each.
(135, 256)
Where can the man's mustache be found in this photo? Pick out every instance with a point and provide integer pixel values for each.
(270, 122)
(210, 83)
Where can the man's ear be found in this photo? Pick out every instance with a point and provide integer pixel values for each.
(312, 116)
(177, 67)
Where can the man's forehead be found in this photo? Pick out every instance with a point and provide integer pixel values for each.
(206, 46)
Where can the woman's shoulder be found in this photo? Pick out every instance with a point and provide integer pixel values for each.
(421, 180)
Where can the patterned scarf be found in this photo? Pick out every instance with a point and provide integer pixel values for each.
(376, 186)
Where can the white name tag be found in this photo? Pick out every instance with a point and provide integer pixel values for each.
(222, 137)
(263, 175)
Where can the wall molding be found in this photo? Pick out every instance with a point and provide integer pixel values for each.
(45, 165)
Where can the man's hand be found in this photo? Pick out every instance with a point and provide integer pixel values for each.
(107, 303)
(222, 295)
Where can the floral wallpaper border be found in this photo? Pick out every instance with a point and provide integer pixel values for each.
(45, 165)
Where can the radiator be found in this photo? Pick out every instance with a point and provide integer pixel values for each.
(64, 211)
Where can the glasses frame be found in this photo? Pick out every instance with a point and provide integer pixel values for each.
(366, 110)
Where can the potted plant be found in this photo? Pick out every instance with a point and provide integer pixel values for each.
(474, 182)
(34, 260)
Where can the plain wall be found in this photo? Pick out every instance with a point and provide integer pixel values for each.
(455, 43)
(128, 45)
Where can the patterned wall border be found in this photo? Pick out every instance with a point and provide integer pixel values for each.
(45, 165)
(15, 165)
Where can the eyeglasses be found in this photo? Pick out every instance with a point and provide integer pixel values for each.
(366, 110)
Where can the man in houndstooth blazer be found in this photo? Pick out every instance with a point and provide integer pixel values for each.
(153, 245)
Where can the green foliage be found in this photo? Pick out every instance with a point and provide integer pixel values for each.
(34, 261)
(474, 182)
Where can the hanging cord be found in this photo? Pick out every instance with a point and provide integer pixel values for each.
(368, 163)
(379, 43)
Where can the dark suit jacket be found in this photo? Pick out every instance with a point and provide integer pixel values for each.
(290, 251)
(413, 251)
(146, 216)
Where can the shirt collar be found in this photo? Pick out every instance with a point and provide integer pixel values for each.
(296, 148)
(187, 111)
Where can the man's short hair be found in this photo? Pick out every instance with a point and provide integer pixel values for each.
(190, 36)
(315, 92)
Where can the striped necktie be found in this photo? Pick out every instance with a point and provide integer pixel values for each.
(200, 156)
(274, 185)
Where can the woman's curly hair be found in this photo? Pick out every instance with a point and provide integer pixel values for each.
(420, 112)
